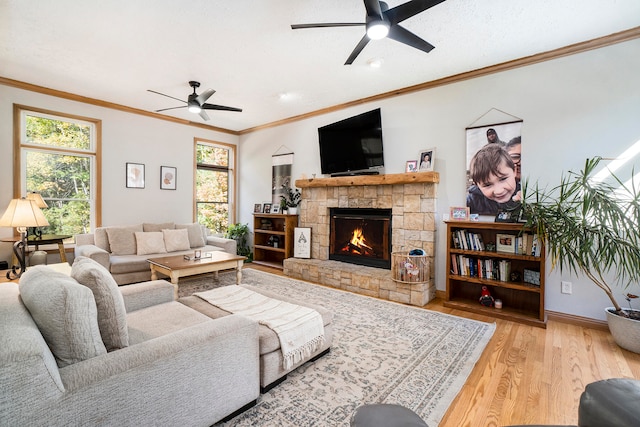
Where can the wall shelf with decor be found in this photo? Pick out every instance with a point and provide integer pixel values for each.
(273, 238)
(512, 275)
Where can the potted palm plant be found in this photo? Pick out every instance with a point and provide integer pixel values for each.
(591, 226)
(240, 233)
(291, 199)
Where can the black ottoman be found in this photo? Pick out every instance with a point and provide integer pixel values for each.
(612, 403)
(385, 415)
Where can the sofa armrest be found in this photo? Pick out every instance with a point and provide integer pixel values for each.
(95, 253)
(229, 245)
(146, 294)
(84, 239)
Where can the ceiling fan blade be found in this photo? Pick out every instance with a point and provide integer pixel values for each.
(402, 35)
(168, 96)
(357, 50)
(373, 8)
(204, 115)
(172, 108)
(409, 9)
(202, 98)
(328, 24)
(219, 107)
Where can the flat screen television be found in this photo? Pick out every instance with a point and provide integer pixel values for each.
(352, 146)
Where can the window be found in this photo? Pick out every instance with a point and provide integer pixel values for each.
(215, 184)
(59, 159)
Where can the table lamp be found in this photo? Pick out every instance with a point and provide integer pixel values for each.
(22, 213)
(37, 198)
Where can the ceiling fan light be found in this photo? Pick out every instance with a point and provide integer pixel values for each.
(194, 107)
(378, 30)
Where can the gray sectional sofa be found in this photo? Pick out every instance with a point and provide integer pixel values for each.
(80, 350)
(124, 250)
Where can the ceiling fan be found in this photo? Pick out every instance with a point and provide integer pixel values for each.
(197, 103)
(383, 22)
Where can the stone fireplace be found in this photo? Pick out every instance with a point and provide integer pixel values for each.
(410, 197)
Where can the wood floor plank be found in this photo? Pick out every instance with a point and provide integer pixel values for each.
(529, 375)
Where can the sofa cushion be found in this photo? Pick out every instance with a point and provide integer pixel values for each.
(150, 243)
(196, 235)
(101, 238)
(176, 240)
(122, 240)
(65, 312)
(158, 227)
(112, 315)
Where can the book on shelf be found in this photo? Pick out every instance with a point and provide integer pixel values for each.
(464, 239)
(491, 269)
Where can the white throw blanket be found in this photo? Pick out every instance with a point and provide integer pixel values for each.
(299, 329)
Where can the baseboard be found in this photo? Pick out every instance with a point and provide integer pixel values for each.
(556, 316)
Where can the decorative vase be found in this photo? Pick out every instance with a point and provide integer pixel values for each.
(625, 331)
(293, 210)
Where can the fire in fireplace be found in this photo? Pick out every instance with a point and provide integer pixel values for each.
(361, 236)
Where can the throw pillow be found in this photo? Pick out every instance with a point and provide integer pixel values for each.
(150, 243)
(65, 312)
(112, 315)
(158, 227)
(176, 240)
(101, 239)
(196, 236)
(122, 240)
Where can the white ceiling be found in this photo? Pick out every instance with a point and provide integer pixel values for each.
(114, 50)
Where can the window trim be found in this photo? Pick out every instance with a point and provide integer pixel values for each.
(18, 109)
(232, 196)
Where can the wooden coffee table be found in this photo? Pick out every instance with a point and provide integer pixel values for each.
(176, 266)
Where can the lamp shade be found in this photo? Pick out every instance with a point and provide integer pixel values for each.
(36, 197)
(23, 213)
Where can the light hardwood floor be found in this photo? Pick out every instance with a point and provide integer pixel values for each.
(530, 375)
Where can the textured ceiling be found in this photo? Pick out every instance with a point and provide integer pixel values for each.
(245, 49)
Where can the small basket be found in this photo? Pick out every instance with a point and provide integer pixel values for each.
(407, 268)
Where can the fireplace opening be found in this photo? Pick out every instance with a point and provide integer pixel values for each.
(361, 236)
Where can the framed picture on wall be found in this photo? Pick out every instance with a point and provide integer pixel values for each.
(168, 177)
(135, 175)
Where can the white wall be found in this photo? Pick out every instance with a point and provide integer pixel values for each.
(573, 108)
(125, 138)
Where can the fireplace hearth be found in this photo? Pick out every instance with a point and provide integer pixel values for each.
(361, 236)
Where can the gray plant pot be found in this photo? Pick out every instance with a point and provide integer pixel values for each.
(625, 331)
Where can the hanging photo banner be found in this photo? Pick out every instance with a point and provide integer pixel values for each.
(494, 168)
(280, 175)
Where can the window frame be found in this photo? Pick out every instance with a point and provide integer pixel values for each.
(94, 153)
(231, 170)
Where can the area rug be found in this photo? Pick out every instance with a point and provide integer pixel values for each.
(382, 352)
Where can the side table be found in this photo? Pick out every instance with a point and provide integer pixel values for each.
(45, 239)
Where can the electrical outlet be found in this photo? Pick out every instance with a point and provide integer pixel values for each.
(565, 287)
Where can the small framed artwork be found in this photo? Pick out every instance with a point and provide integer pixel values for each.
(266, 208)
(459, 213)
(427, 160)
(257, 208)
(302, 242)
(507, 216)
(275, 209)
(135, 175)
(412, 166)
(168, 177)
(506, 243)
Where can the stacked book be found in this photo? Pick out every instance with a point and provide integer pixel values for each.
(492, 269)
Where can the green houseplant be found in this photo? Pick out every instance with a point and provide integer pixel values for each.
(240, 233)
(590, 226)
(291, 198)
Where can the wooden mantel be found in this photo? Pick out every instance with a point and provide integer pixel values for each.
(391, 179)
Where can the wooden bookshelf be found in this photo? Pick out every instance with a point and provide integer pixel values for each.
(522, 302)
(270, 228)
